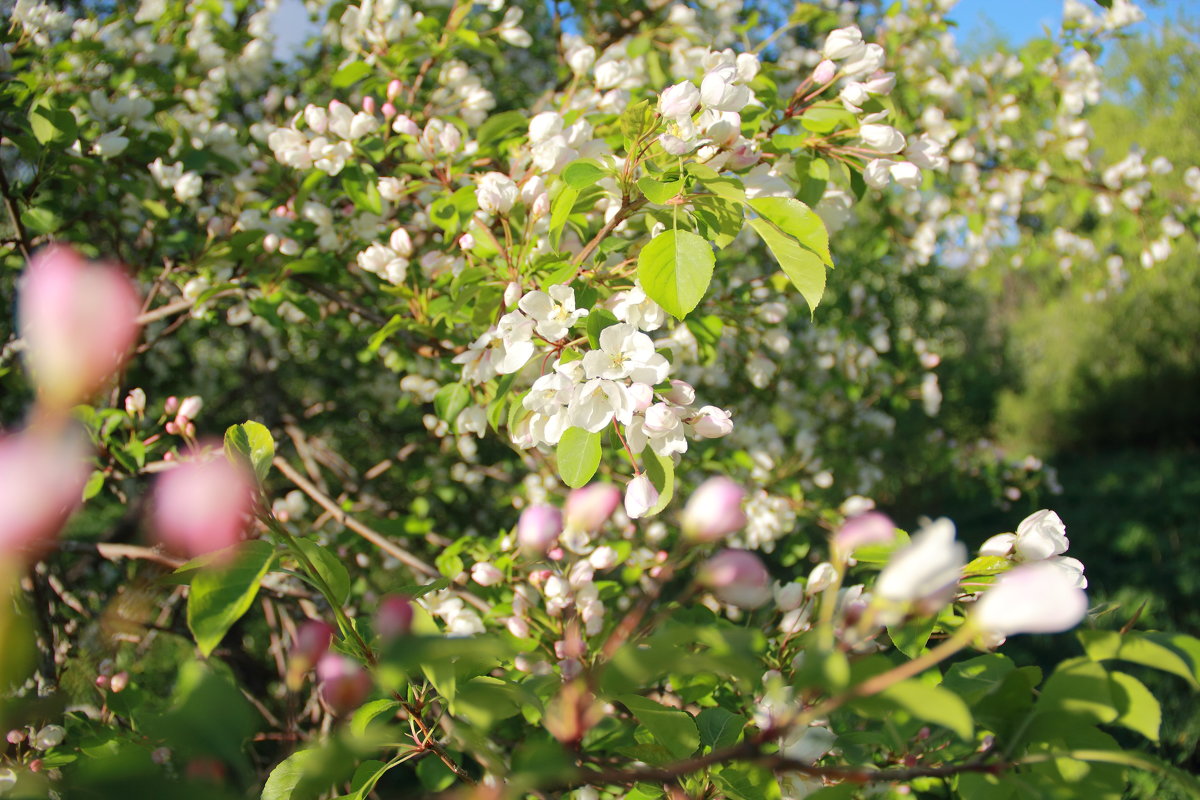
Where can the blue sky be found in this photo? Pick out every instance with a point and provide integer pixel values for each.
(1019, 20)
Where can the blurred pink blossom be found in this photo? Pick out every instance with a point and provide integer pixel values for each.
(78, 320)
(202, 506)
(42, 474)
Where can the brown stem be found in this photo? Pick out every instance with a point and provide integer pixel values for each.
(23, 241)
(627, 210)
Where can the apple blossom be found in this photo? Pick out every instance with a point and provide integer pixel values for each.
(344, 684)
(42, 475)
(78, 321)
(842, 43)
(1041, 535)
(679, 100)
(393, 617)
(202, 506)
(714, 510)
(925, 569)
(1031, 598)
(640, 497)
(870, 527)
(539, 527)
(737, 577)
(497, 193)
(589, 507)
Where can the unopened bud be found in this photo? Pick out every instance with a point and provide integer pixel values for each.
(368, 104)
(590, 507)
(15, 736)
(824, 73)
(539, 528)
(737, 577)
(714, 510)
(135, 402)
(49, 736)
(119, 681)
(389, 110)
(189, 407)
(344, 682)
(864, 529)
(394, 617)
(393, 89)
(171, 406)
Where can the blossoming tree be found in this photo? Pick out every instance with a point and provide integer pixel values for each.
(574, 341)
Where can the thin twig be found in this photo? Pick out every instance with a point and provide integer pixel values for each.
(23, 241)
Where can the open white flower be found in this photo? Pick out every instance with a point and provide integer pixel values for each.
(622, 348)
(553, 312)
(497, 193)
(926, 568)
(597, 402)
(1041, 535)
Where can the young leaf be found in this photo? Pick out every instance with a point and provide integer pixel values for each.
(661, 470)
(329, 567)
(803, 267)
(560, 210)
(219, 596)
(798, 220)
(578, 456)
(675, 270)
(450, 400)
(670, 727)
(583, 173)
(250, 443)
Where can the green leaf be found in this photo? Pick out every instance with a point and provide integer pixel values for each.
(987, 565)
(1142, 761)
(450, 401)
(219, 596)
(95, 483)
(747, 782)
(1138, 648)
(329, 567)
(583, 173)
(931, 704)
(350, 74)
(910, 638)
(803, 267)
(1079, 687)
(1137, 708)
(560, 210)
(53, 125)
(434, 775)
(661, 471)
(285, 781)
(637, 120)
(41, 220)
(251, 444)
(498, 126)
(670, 727)
(675, 270)
(368, 713)
(578, 456)
(719, 728)
(798, 220)
(659, 191)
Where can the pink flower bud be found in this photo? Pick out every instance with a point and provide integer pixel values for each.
(78, 320)
(590, 507)
(389, 110)
(312, 641)
(42, 475)
(681, 393)
(135, 403)
(189, 407)
(640, 497)
(541, 206)
(394, 617)
(539, 528)
(486, 574)
(737, 577)
(824, 73)
(393, 89)
(171, 406)
(555, 554)
(119, 681)
(404, 124)
(172, 427)
(344, 682)
(202, 506)
(714, 510)
(864, 529)
(368, 104)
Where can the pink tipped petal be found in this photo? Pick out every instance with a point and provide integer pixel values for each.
(1033, 598)
(78, 320)
(865, 529)
(714, 510)
(42, 475)
(202, 506)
